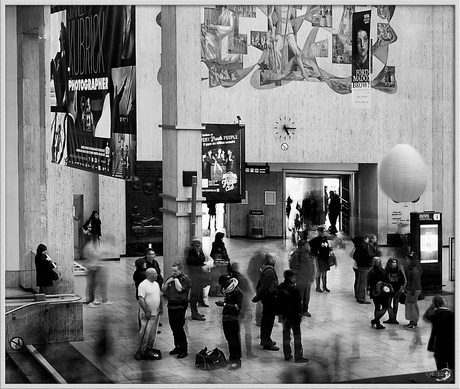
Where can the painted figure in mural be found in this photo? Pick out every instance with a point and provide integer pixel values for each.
(345, 26)
(281, 27)
(217, 39)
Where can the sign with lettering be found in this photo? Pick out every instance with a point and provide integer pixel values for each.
(257, 169)
(93, 88)
(223, 161)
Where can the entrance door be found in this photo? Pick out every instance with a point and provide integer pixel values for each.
(77, 225)
(346, 203)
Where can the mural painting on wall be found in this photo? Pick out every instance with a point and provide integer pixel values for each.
(299, 43)
(93, 88)
(223, 158)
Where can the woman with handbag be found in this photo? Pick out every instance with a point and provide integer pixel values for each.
(45, 273)
(397, 279)
(379, 291)
(413, 290)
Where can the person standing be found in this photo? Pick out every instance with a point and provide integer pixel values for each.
(363, 258)
(195, 260)
(442, 338)
(333, 211)
(291, 316)
(175, 289)
(232, 304)
(397, 279)
(44, 267)
(253, 272)
(212, 215)
(246, 314)
(151, 262)
(93, 227)
(265, 292)
(413, 290)
(375, 275)
(150, 309)
(321, 249)
(303, 263)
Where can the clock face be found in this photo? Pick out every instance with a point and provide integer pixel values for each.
(284, 128)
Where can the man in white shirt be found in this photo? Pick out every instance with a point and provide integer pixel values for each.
(150, 309)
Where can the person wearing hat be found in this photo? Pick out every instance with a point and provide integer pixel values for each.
(195, 259)
(303, 263)
(232, 304)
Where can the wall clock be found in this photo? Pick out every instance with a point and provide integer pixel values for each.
(285, 128)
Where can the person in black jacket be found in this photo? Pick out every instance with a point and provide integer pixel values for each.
(321, 249)
(44, 267)
(93, 227)
(291, 316)
(363, 258)
(265, 292)
(397, 279)
(175, 289)
(195, 259)
(381, 301)
(442, 338)
(233, 302)
(333, 211)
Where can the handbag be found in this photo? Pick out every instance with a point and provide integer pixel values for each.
(210, 360)
(383, 289)
(402, 298)
(332, 260)
(54, 275)
(87, 230)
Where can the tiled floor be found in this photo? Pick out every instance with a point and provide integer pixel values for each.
(338, 338)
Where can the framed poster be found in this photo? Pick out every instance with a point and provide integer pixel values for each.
(223, 160)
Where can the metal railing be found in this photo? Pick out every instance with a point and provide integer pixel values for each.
(41, 299)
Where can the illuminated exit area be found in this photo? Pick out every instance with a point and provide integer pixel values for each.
(307, 197)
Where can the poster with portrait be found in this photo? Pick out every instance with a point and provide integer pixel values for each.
(222, 163)
(361, 65)
(93, 90)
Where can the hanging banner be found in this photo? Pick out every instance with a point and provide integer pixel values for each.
(361, 67)
(223, 160)
(93, 88)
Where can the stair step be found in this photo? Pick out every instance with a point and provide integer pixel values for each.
(29, 367)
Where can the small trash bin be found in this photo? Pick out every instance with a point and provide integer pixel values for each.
(80, 280)
(256, 224)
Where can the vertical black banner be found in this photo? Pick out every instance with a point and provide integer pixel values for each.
(223, 159)
(93, 88)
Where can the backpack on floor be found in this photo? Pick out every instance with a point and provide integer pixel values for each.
(210, 360)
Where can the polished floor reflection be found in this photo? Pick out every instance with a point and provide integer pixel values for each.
(338, 338)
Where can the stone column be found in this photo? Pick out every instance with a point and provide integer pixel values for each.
(181, 111)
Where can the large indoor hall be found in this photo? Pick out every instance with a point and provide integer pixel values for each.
(337, 338)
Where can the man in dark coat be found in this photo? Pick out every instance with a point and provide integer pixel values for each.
(195, 259)
(265, 292)
(291, 315)
(333, 211)
(304, 264)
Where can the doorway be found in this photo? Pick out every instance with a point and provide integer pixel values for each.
(77, 225)
(307, 197)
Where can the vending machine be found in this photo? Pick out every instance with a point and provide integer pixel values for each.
(426, 242)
